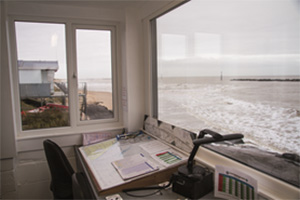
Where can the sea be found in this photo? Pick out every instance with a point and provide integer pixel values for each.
(97, 85)
(267, 113)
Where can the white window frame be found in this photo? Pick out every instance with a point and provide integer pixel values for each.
(268, 186)
(76, 126)
(112, 29)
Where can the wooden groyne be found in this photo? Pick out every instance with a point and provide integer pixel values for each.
(267, 79)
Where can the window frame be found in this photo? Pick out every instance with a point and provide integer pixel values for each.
(112, 30)
(76, 126)
(268, 186)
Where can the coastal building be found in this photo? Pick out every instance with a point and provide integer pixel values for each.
(36, 78)
(127, 27)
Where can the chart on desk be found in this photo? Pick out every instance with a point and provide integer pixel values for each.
(163, 154)
(100, 156)
(233, 184)
(168, 158)
(115, 162)
(134, 166)
(96, 150)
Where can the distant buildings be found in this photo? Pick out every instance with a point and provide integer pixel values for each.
(36, 78)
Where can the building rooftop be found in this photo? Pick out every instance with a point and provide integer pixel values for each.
(38, 65)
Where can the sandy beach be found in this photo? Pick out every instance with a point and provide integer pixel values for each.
(102, 98)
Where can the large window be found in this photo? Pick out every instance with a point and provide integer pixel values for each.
(65, 78)
(42, 74)
(233, 67)
(94, 64)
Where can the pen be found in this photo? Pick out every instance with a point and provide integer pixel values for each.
(149, 165)
(128, 135)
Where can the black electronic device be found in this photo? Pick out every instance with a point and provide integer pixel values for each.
(193, 181)
(193, 186)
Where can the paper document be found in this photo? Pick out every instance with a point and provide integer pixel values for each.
(233, 184)
(96, 150)
(154, 146)
(99, 157)
(171, 134)
(169, 158)
(92, 138)
(133, 166)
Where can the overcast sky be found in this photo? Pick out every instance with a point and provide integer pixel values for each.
(238, 37)
(46, 42)
(203, 37)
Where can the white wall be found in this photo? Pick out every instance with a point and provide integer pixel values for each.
(134, 70)
(24, 170)
(7, 136)
(30, 76)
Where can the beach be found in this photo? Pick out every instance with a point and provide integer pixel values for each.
(101, 98)
(94, 96)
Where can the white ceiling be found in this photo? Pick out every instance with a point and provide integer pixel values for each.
(115, 4)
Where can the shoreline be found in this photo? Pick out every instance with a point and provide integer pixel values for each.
(102, 98)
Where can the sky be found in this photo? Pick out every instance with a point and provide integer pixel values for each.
(42, 42)
(203, 37)
(237, 37)
(46, 42)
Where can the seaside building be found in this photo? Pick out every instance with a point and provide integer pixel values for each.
(36, 78)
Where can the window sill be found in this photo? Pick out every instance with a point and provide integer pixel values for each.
(34, 141)
(268, 187)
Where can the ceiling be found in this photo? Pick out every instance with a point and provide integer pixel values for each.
(114, 4)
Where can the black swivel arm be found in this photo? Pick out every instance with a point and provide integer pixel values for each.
(216, 137)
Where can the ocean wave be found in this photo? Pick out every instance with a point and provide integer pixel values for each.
(268, 124)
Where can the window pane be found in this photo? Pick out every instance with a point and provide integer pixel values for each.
(94, 64)
(42, 75)
(233, 67)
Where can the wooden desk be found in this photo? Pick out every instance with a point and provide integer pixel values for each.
(146, 180)
(151, 179)
(165, 194)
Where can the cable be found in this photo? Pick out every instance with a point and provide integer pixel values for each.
(158, 188)
(144, 195)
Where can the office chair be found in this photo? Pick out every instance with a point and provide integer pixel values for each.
(61, 171)
(81, 189)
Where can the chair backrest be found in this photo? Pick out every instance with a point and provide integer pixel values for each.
(61, 171)
(81, 187)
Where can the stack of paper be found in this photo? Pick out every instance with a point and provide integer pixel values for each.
(133, 166)
(163, 154)
(167, 158)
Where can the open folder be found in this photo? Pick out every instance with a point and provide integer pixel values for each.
(133, 166)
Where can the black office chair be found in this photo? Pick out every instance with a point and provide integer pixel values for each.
(81, 189)
(61, 171)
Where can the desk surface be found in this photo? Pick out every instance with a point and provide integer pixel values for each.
(165, 194)
(122, 148)
(151, 179)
